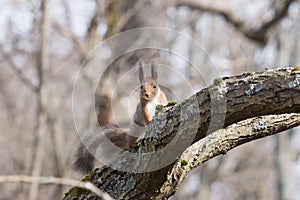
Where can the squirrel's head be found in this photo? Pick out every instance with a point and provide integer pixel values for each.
(149, 87)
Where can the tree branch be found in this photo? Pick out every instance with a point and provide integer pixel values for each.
(126, 17)
(229, 100)
(9, 60)
(54, 180)
(258, 35)
(222, 141)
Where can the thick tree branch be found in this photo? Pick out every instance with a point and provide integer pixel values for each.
(229, 100)
(222, 141)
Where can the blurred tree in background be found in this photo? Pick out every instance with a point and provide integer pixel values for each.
(44, 42)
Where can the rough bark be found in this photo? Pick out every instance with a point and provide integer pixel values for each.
(223, 140)
(225, 103)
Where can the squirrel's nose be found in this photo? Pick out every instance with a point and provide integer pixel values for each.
(147, 95)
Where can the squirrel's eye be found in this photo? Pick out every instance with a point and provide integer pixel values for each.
(154, 86)
(141, 87)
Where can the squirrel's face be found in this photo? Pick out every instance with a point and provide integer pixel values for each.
(149, 89)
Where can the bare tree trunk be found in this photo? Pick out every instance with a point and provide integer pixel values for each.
(42, 118)
(283, 155)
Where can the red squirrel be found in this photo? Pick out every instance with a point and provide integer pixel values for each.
(150, 96)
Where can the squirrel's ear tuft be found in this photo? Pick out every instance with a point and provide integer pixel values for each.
(141, 72)
(154, 69)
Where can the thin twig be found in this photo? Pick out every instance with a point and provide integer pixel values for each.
(55, 180)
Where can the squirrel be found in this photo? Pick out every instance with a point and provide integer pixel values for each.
(150, 96)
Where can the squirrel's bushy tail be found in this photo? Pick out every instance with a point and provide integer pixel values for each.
(84, 156)
(92, 141)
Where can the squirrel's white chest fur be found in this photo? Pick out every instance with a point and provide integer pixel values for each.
(152, 105)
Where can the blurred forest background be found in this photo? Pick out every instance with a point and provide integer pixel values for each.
(43, 43)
